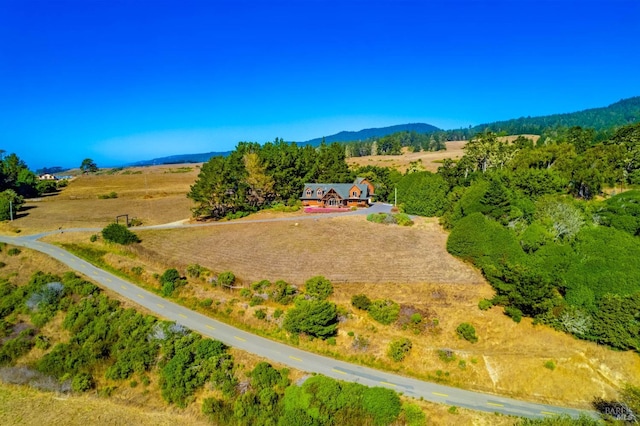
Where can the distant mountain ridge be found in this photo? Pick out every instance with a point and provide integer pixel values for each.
(344, 136)
(623, 112)
(377, 132)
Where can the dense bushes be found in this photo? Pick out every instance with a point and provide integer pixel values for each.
(384, 311)
(321, 400)
(119, 234)
(318, 287)
(318, 318)
(399, 349)
(422, 193)
(401, 219)
(467, 332)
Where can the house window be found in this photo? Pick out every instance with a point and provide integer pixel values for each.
(355, 194)
(319, 192)
(333, 202)
(309, 192)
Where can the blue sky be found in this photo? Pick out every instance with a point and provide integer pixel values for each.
(120, 81)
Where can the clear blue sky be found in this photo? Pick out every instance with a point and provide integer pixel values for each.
(120, 81)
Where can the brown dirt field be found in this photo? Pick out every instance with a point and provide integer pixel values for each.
(338, 248)
(429, 160)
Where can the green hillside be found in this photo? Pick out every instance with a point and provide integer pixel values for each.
(623, 112)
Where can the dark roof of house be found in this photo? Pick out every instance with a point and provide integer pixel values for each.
(342, 189)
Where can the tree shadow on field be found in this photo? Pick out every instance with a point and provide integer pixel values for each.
(22, 213)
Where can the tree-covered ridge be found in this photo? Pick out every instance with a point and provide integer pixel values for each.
(375, 133)
(256, 176)
(621, 113)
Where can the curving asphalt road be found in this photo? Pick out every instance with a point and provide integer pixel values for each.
(284, 354)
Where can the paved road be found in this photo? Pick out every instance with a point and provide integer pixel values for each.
(291, 356)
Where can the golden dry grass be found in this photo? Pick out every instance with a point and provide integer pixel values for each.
(429, 160)
(339, 248)
(20, 405)
(152, 194)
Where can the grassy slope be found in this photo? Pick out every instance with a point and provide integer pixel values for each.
(140, 405)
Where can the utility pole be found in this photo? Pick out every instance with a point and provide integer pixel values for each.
(395, 199)
(11, 210)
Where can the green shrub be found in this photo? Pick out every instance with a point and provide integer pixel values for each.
(108, 196)
(403, 219)
(485, 304)
(205, 303)
(14, 251)
(422, 193)
(361, 301)
(93, 238)
(260, 314)
(256, 300)
(467, 332)
(413, 415)
(317, 318)
(226, 279)
(383, 404)
(398, 349)
(82, 382)
(446, 355)
(194, 270)
(278, 313)
(318, 287)
(138, 270)
(119, 234)
(384, 311)
(514, 313)
(550, 365)
(332, 341)
(171, 280)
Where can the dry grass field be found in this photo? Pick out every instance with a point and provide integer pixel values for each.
(338, 248)
(139, 404)
(152, 194)
(429, 160)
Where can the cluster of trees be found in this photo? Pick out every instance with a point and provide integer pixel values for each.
(526, 215)
(320, 400)
(255, 176)
(392, 144)
(17, 182)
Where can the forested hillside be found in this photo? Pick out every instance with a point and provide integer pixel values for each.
(375, 133)
(621, 113)
(534, 220)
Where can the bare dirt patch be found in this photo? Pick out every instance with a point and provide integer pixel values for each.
(348, 249)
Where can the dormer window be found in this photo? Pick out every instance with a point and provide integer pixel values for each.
(319, 192)
(309, 192)
(355, 194)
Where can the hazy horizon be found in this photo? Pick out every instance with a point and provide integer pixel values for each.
(122, 81)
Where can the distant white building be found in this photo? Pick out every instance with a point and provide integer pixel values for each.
(48, 176)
